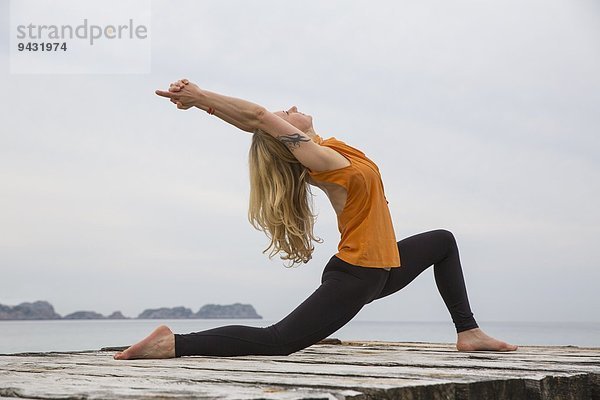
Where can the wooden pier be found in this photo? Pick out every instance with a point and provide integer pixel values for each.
(350, 370)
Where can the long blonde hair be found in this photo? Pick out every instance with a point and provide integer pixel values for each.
(280, 199)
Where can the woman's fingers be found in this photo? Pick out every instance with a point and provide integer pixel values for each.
(165, 94)
(182, 107)
(172, 98)
(173, 93)
(177, 86)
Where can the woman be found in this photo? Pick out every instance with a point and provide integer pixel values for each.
(286, 155)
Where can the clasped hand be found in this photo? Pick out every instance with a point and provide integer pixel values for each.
(183, 93)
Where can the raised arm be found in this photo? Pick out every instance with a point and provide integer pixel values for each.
(250, 117)
(240, 113)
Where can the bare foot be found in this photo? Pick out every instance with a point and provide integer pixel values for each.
(159, 344)
(476, 340)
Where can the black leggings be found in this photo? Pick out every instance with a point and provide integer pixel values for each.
(344, 290)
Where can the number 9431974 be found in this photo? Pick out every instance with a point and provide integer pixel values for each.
(43, 46)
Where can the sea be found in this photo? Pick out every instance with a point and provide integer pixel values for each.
(81, 335)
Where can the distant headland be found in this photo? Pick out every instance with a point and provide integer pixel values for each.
(42, 310)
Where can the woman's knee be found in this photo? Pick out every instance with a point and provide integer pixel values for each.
(286, 343)
(446, 237)
(445, 234)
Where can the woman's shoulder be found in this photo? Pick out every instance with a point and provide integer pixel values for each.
(343, 158)
(350, 152)
(342, 146)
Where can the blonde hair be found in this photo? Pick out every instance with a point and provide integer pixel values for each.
(280, 199)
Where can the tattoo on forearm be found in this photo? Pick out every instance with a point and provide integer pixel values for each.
(292, 141)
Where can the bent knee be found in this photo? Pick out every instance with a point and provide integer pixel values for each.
(445, 233)
(446, 236)
(285, 349)
(281, 344)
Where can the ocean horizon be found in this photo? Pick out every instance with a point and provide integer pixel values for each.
(20, 336)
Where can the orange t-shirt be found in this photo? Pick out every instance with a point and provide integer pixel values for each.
(365, 223)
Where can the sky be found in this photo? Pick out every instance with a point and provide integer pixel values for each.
(481, 115)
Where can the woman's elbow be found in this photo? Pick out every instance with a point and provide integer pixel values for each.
(258, 116)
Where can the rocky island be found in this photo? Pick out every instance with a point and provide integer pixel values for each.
(36, 310)
(94, 315)
(209, 311)
(42, 310)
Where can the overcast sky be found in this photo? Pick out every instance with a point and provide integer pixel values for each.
(482, 116)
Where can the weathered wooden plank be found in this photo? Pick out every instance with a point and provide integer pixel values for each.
(353, 370)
